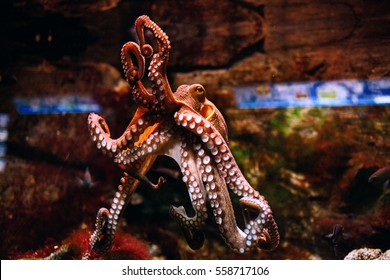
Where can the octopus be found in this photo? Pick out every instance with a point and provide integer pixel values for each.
(189, 128)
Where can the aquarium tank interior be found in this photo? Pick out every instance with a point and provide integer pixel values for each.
(192, 130)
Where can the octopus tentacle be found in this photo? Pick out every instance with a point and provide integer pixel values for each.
(133, 72)
(191, 226)
(157, 68)
(229, 171)
(101, 133)
(254, 234)
(220, 151)
(238, 240)
(107, 220)
(162, 39)
(129, 160)
(152, 145)
(141, 177)
(220, 201)
(99, 239)
(134, 76)
(270, 236)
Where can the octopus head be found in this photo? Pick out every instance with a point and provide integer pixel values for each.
(194, 96)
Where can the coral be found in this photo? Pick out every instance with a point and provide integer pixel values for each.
(76, 246)
(368, 254)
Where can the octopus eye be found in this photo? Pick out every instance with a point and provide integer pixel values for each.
(198, 92)
(199, 89)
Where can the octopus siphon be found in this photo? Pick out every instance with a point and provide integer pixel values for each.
(189, 128)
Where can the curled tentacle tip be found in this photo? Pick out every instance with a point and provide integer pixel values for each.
(147, 50)
(141, 18)
(161, 181)
(92, 117)
(265, 243)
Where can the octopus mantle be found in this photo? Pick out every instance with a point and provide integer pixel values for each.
(186, 126)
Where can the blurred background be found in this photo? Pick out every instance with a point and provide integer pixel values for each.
(303, 85)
